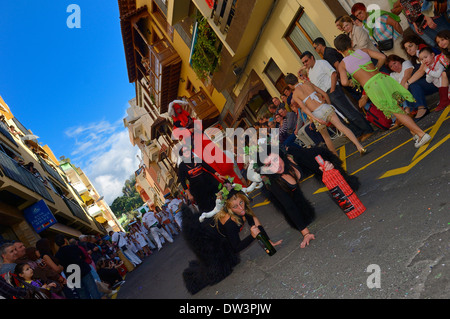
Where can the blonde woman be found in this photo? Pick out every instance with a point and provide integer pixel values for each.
(231, 219)
(216, 242)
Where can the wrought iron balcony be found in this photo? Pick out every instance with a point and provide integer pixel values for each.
(76, 209)
(22, 176)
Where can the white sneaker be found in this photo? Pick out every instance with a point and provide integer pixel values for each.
(415, 138)
(425, 139)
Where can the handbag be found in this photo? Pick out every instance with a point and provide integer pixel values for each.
(388, 44)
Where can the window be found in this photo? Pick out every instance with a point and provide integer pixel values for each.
(302, 33)
(228, 119)
(273, 72)
(190, 87)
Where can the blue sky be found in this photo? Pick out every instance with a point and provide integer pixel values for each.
(70, 86)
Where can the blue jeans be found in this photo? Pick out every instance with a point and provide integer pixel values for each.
(429, 35)
(358, 124)
(420, 89)
(290, 141)
(88, 288)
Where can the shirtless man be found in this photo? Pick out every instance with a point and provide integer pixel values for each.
(309, 98)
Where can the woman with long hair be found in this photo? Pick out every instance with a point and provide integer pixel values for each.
(230, 220)
(282, 174)
(412, 44)
(216, 241)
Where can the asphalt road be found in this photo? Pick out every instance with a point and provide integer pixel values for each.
(404, 233)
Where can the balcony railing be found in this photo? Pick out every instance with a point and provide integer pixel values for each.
(22, 176)
(76, 209)
(52, 172)
(223, 13)
(5, 131)
(164, 67)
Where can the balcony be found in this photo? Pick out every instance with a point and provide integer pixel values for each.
(5, 132)
(52, 172)
(158, 61)
(152, 151)
(79, 187)
(76, 209)
(201, 106)
(17, 173)
(223, 13)
(94, 210)
(163, 67)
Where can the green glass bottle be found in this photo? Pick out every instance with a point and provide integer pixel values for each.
(265, 244)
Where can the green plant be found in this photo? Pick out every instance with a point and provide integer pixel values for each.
(206, 57)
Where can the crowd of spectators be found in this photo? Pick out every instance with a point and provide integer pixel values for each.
(418, 58)
(51, 269)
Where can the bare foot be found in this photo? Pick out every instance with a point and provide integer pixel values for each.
(306, 239)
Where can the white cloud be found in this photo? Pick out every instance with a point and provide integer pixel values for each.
(104, 152)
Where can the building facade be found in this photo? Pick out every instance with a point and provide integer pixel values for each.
(36, 198)
(157, 57)
(97, 207)
(231, 56)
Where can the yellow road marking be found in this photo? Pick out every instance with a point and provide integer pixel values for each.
(403, 170)
(342, 156)
(433, 132)
(266, 202)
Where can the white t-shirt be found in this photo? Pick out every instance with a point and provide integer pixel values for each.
(173, 205)
(398, 76)
(122, 241)
(140, 239)
(149, 219)
(320, 74)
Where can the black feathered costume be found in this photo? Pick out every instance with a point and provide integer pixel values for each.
(217, 249)
(216, 257)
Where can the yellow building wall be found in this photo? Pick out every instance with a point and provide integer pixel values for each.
(186, 71)
(50, 154)
(273, 45)
(4, 109)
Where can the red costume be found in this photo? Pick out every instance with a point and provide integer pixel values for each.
(222, 165)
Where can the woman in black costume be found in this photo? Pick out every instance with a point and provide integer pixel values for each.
(216, 241)
(230, 221)
(282, 174)
(202, 185)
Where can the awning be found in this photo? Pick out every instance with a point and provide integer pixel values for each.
(61, 228)
(101, 219)
(87, 199)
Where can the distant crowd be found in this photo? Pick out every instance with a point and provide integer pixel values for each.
(47, 272)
